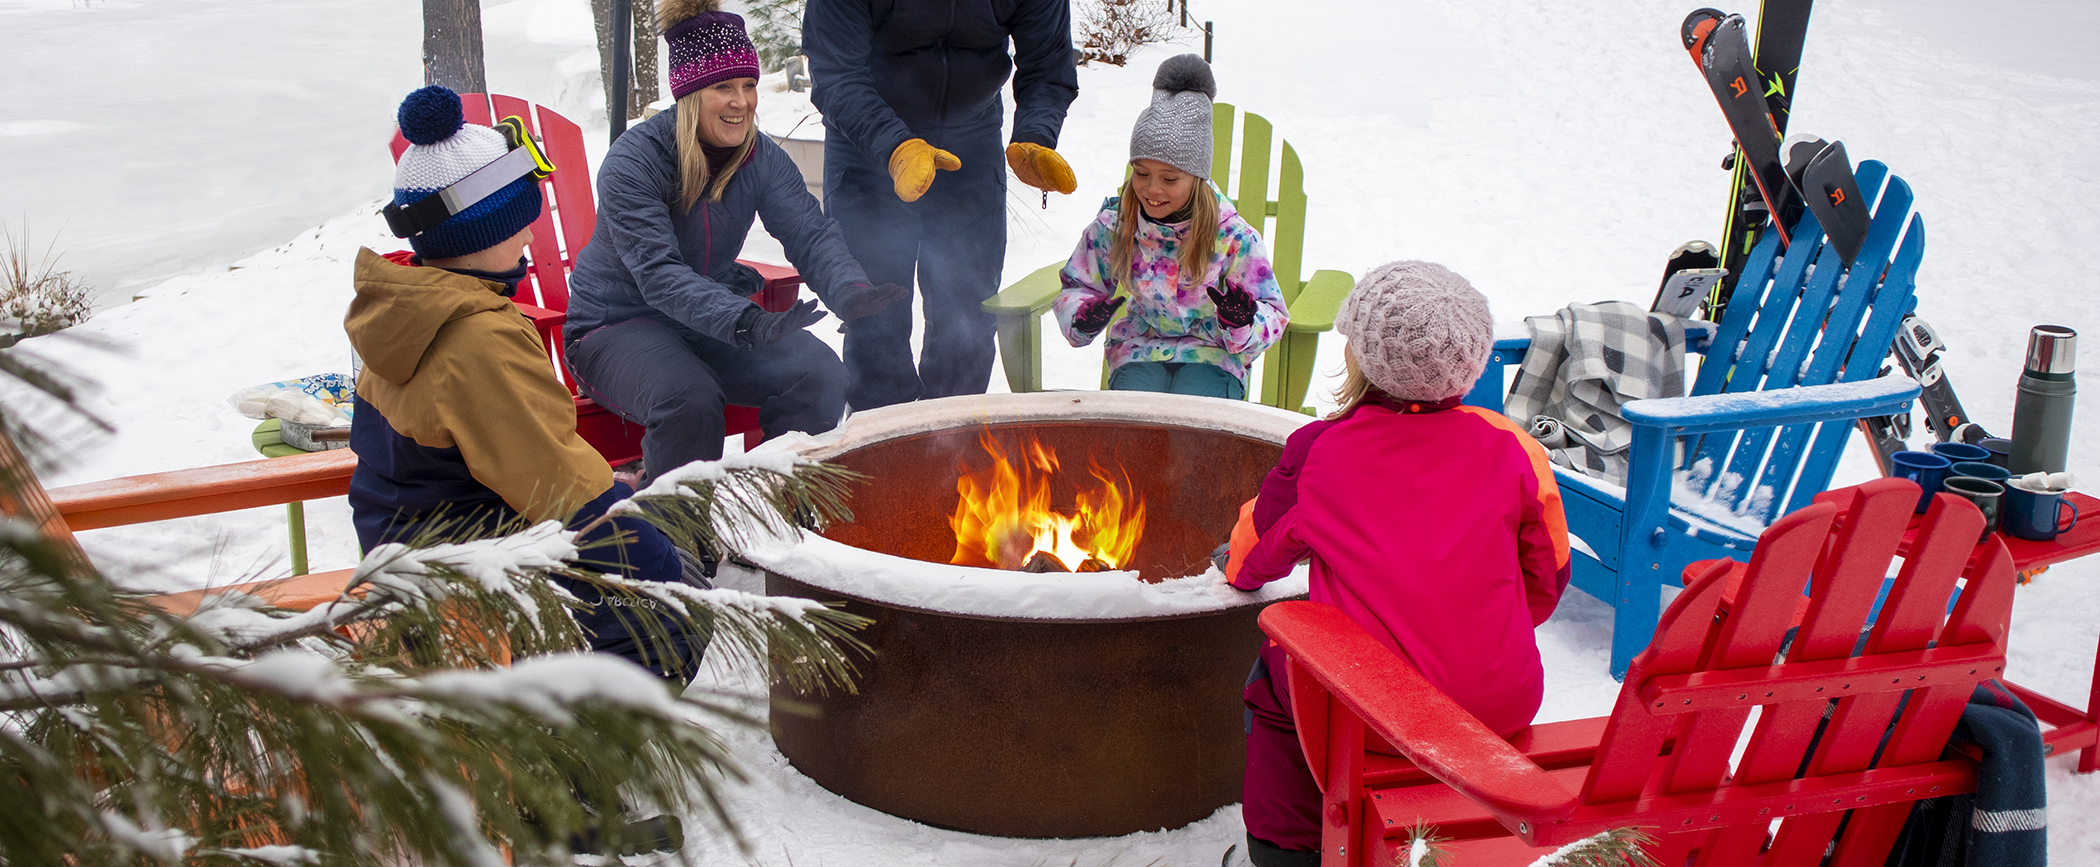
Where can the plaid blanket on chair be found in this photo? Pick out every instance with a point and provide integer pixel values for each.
(2006, 822)
(1584, 363)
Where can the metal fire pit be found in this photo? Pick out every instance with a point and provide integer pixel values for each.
(1029, 718)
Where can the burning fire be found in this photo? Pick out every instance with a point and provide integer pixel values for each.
(1005, 519)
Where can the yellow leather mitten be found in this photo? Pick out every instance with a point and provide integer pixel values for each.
(1040, 167)
(912, 166)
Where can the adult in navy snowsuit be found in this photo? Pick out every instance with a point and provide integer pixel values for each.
(661, 328)
(912, 170)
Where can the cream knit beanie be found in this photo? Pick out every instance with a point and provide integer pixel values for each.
(1419, 332)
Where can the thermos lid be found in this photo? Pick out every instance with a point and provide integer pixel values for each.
(2052, 349)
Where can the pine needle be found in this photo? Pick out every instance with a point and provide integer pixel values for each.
(1618, 847)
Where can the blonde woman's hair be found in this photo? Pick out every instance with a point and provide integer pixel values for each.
(1354, 386)
(1196, 247)
(693, 179)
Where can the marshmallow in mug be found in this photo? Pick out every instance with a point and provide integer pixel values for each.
(2047, 483)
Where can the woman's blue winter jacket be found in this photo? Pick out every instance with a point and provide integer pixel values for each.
(649, 259)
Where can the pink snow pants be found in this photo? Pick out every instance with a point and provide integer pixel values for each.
(1278, 799)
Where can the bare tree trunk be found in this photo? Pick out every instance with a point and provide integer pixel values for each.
(642, 84)
(601, 19)
(644, 89)
(452, 45)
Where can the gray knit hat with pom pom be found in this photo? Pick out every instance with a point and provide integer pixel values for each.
(1175, 128)
(1419, 332)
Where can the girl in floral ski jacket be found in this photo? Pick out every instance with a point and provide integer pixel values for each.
(1202, 299)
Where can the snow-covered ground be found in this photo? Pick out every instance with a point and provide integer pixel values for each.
(1551, 152)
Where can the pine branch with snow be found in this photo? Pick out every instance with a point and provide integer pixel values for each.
(1424, 848)
(1618, 847)
(725, 504)
(383, 726)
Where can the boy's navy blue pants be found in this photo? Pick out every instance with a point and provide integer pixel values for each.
(951, 242)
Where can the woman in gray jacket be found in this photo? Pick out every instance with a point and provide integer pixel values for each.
(661, 328)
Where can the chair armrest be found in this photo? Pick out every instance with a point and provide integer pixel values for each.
(544, 321)
(1394, 700)
(1487, 392)
(1509, 350)
(1028, 296)
(1800, 405)
(205, 490)
(783, 284)
(1699, 335)
(1318, 300)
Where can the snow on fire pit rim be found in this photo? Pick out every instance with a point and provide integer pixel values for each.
(997, 593)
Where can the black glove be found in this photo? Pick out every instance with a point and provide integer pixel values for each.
(742, 279)
(1235, 306)
(1094, 315)
(856, 300)
(760, 327)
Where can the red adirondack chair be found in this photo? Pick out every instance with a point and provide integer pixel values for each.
(544, 295)
(1663, 759)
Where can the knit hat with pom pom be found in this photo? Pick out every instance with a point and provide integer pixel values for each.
(442, 149)
(707, 44)
(1419, 332)
(1175, 128)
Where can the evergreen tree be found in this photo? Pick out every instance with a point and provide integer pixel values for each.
(385, 727)
(776, 28)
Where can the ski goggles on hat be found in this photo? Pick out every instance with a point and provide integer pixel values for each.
(524, 158)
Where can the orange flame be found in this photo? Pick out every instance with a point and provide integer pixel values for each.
(1005, 516)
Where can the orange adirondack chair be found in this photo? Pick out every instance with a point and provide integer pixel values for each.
(1662, 760)
(544, 295)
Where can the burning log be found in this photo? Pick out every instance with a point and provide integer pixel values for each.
(1044, 561)
(1094, 564)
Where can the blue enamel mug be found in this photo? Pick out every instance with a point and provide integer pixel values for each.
(2035, 515)
(1925, 468)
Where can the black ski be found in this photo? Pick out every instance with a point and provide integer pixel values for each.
(1918, 349)
(1687, 275)
(1833, 196)
(1782, 28)
(1887, 434)
(1722, 48)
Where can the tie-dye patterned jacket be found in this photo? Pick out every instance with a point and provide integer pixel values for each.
(1167, 319)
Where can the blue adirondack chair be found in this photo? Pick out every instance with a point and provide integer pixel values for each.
(1791, 367)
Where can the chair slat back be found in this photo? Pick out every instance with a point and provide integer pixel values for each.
(546, 283)
(575, 204)
(1676, 730)
(1790, 324)
(1279, 219)
(1287, 239)
(1848, 324)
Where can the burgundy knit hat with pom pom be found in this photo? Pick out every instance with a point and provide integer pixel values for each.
(707, 44)
(1419, 332)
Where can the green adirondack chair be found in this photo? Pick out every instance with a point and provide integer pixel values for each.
(1287, 367)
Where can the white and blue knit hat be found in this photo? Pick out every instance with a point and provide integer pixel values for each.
(1175, 128)
(444, 148)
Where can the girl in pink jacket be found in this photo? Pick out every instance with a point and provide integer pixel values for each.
(1436, 526)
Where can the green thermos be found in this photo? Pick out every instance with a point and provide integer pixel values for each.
(2041, 434)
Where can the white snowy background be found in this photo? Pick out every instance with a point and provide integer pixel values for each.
(219, 161)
